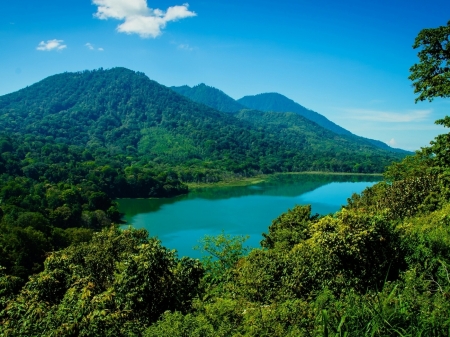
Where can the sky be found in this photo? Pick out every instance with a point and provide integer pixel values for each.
(348, 60)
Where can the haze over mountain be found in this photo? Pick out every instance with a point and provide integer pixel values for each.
(125, 112)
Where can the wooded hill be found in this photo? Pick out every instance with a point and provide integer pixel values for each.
(268, 102)
(126, 113)
(210, 96)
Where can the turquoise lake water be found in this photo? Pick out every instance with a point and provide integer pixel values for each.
(241, 210)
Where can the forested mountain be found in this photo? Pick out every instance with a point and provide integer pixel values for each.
(278, 103)
(126, 113)
(209, 96)
(274, 102)
(269, 102)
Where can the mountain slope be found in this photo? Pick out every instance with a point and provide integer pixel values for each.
(278, 103)
(209, 96)
(124, 113)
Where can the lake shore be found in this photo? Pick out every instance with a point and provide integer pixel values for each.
(265, 177)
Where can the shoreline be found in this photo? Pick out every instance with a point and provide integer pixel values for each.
(264, 177)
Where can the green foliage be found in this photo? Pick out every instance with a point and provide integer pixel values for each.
(223, 252)
(378, 267)
(51, 196)
(117, 284)
(311, 143)
(209, 96)
(289, 228)
(120, 118)
(431, 76)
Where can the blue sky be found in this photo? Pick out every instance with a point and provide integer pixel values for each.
(348, 60)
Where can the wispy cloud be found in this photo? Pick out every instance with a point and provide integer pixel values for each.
(387, 116)
(138, 17)
(185, 47)
(51, 45)
(90, 46)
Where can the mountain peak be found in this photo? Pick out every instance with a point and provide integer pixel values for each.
(276, 102)
(210, 96)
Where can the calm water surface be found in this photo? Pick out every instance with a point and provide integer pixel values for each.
(241, 210)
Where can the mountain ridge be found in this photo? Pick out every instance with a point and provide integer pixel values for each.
(125, 113)
(210, 96)
(268, 102)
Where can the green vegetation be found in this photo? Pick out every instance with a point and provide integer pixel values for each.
(378, 267)
(140, 122)
(53, 195)
(275, 102)
(209, 96)
(431, 76)
(271, 102)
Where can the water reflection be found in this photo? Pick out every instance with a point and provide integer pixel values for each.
(241, 210)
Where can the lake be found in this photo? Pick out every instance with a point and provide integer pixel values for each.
(238, 210)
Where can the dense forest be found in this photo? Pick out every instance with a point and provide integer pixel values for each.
(378, 267)
(126, 114)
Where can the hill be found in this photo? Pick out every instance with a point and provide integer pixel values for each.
(268, 102)
(278, 103)
(209, 96)
(125, 113)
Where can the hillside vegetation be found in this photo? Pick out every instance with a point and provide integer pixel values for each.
(210, 96)
(125, 113)
(275, 102)
(74, 142)
(271, 102)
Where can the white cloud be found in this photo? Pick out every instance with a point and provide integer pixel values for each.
(392, 142)
(387, 116)
(90, 46)
(51, 45)
(138, 17)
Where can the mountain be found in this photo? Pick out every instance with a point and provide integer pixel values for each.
(209, 96)
(268, 102)
(122, 113)
(279, 103)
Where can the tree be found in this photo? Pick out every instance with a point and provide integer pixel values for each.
(115, 285)
(431, 76)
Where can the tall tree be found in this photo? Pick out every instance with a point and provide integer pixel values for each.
(431, 76)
